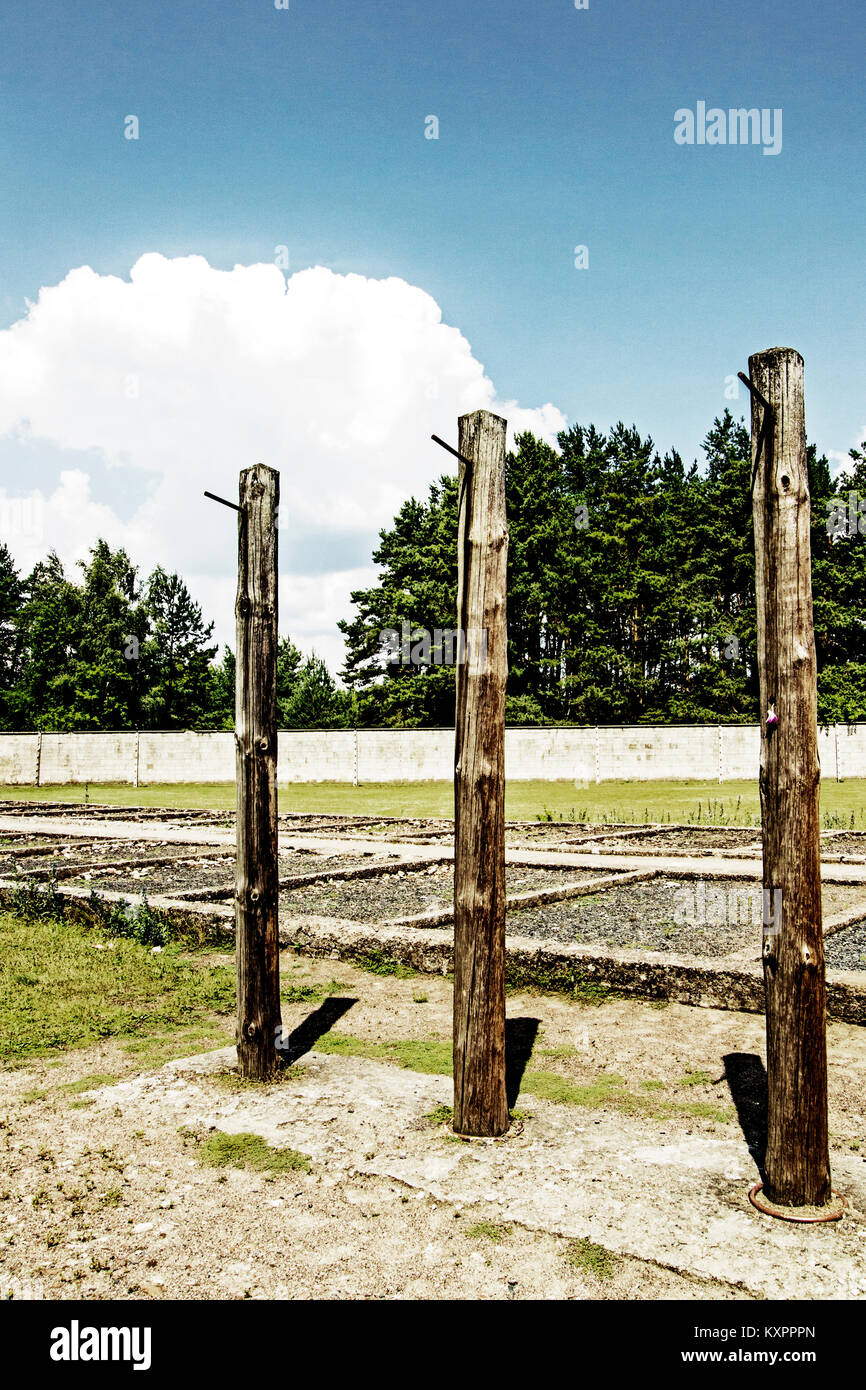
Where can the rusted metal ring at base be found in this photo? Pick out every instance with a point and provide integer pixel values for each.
(786, 1214)
(515, 1128)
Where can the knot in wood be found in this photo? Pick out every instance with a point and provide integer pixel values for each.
(263, 744)
(252, 1030)
(254, 895)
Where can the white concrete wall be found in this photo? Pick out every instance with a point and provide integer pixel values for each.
(87, 758)
(707, 752)
(19, 754)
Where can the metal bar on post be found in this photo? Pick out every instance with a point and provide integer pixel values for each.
(480, 1098)
(797, 1166)
(257, 874)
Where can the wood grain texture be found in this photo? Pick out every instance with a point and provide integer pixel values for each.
(797, 1158)
(257, 874)
(480, 1100)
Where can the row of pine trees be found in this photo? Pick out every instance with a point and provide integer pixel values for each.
(630, 598)
(108, 651)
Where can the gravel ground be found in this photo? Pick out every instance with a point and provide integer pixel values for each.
(844, 844)
(700, 918)
(368, 829)
(173, 880)
(701, 841)
(406, 894)
(847, 949)
(87, 853)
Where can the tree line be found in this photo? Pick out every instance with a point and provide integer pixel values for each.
(630, 587)
(108, 651)
(630, 599)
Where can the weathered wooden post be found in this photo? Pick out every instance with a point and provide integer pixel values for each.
(480, 1101)
(257, 875)
(797, 1165)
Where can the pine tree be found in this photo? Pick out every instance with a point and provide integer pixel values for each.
(175, 658)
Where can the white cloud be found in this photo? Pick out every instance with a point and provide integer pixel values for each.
(189, 374)
(841, 463)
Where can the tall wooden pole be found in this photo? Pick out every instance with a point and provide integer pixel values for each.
(256, 880)
(797, 1165)
(480, 1101)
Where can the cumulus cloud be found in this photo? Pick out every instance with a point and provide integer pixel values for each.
(841, 463)
(184, 374)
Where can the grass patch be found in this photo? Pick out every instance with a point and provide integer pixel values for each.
(310, 994)
(695, 1078)
(588, 1258)
(441, 1115)
(688, 802)
(88, 1083)
(249, 1151)
(557, 979)
(607, 1089)
(378, 963)
(431, 1056)
(78, 994)
(488, 1230)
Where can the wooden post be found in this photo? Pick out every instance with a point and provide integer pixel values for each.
(797, 1165)
(480, 1101)
(256, 879)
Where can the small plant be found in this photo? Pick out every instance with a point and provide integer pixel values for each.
(441, 1115)
(141, 923)
(488, 1230)
(695, 1078)
(378, 963)
(88, 1083)
(587, 1257)
(36, 903)
(221, 1150)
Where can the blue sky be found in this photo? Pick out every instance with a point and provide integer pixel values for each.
(305, 128)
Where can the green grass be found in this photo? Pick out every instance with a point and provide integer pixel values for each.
(488, 1230)
(432, 1056)
(88, 1083)
(378, 963)
(57, 991)
(439, 1115)
(311, 994)
(588, 1258)
(695, 1078)
(249, 1151)
(696, 802)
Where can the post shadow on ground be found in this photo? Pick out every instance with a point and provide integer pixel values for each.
(520, 1035)
(747, 1082)
(304, 1038)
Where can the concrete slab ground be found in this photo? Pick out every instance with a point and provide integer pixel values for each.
(677, 1200)
(638, 1134)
